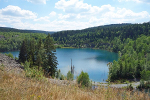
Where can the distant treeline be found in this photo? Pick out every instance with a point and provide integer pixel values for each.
(7, 29)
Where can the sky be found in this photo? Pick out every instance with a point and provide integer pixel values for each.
(58, 15)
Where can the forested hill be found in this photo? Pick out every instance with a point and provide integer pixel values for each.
(10, 41)
(108, 37)
(7, 29)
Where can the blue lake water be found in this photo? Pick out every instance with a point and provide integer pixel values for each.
(92, 61)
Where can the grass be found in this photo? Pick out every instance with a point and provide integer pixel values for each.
(19, 87)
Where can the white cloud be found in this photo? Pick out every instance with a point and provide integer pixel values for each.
(53, 13)
(76, 15)
(105, 14)
(46, 19)
(37, 1)
(75, 6)
(138, 1)
(52, 26)
(15, 11)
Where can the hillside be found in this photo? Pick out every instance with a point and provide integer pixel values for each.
(8, 29)
(10, 41)
(108, 37)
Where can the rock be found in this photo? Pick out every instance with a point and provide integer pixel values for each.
(10, 64)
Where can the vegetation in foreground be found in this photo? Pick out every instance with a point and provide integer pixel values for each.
(19, 87)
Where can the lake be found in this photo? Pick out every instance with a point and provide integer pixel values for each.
(92, 61)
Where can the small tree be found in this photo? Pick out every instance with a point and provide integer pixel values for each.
(58, 74)
(83, 79)
(70, 76)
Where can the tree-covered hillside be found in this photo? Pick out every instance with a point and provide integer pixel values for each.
(12, 40)
(109, 37)
(7, 29)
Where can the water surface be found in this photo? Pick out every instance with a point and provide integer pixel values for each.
(92, 61)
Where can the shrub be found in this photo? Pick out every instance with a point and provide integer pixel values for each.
(9, 55)
(83, 79)
(144, 84)
(145, 75)
(57, 74)
(69, 76)
(62, 77)
(33, 72)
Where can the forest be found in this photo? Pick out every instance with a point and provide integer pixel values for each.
(109, 37)
(10, 41)
(8, 29)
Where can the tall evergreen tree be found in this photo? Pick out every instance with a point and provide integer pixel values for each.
(39, 54)
(23, 51)
(31, 52)
(50, 59)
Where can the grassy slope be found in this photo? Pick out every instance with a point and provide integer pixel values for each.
(18, 87)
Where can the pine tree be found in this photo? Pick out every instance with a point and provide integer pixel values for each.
(39, 54)
(39, 58)
(31, 52)
(23, 51)
(50, 59)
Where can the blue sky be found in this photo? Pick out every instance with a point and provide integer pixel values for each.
(57, 15)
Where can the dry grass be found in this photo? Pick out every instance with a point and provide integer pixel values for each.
(16, 87)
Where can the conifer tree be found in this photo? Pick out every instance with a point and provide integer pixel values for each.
(50, 59)
(23, 51)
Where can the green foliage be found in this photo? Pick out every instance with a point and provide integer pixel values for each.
(145, 75)
(83, 79)
(23, 51)
(144, 84)
(134, 58)
(12, 40)
(70, 76)
(129, 87)
(9, 55)
(58, 74)
(50, 62)
(62, 77)
(109, 37)
(33, 72)
(39, 54)
(145, 80)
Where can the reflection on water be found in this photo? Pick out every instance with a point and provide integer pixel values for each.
(94, 62)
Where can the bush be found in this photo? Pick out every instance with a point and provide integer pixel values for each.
(145, 75)
(83, 79)
(9, 55)
(33, 72)
(69, 76)
(62, 77)
(57, 74)
(144, 84)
